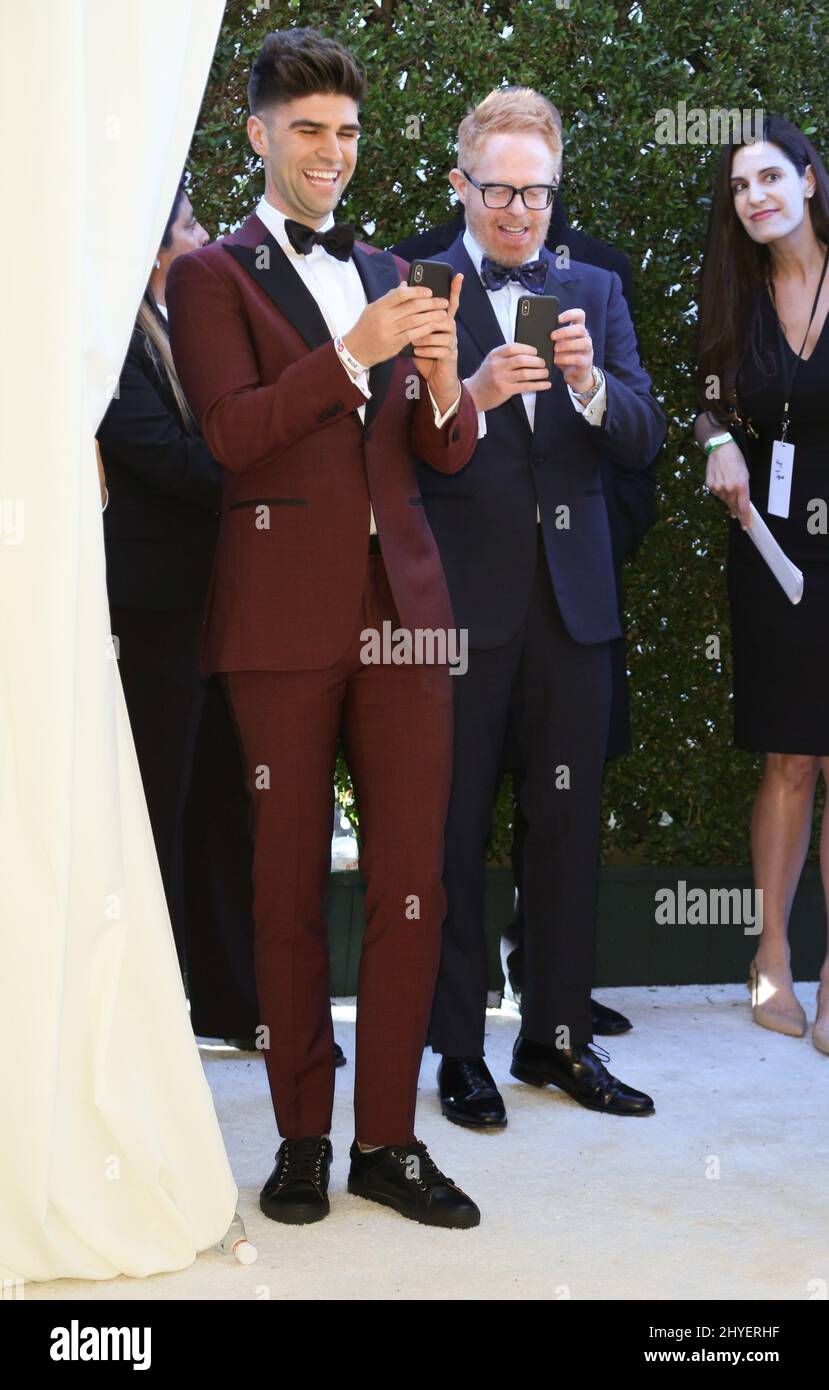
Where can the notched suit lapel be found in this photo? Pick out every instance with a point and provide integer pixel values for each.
(476, 312)
(478, 316)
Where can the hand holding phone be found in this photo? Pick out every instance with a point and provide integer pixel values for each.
(573, 350)
(437, 277)
(387, 324)
(536, 317)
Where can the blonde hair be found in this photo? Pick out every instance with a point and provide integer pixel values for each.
(157, 344)
(508, 109)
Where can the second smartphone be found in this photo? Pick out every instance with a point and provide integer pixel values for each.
(536, 317)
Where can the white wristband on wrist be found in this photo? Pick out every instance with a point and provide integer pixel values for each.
(351, 362)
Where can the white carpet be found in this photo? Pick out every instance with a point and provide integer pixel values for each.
(574, 1204)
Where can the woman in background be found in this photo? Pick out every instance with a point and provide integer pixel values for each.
(764, 356)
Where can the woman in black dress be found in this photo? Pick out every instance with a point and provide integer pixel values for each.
(763, 346)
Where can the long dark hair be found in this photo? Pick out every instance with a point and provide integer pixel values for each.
(735, 268)
(154, 329)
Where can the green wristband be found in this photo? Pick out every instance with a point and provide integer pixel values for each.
(715, 441)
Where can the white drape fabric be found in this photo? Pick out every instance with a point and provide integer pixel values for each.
(111, 1159)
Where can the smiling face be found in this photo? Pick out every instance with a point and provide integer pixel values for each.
(513, 234)
(309, 149)
(770, 196)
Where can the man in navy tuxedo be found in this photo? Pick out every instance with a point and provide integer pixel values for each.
(630, 496)
(525, 542)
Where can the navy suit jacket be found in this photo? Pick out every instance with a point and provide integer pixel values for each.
(484, 517)
(629, 492)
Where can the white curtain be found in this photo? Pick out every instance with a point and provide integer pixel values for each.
(111, 1159)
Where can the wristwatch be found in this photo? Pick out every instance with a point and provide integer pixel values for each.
(584, 397)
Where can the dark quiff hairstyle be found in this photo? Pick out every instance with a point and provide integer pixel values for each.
(735, 268)
(299, 62)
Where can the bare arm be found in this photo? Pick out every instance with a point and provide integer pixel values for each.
(726, 472)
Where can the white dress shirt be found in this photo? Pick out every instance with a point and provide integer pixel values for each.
(505, 303)
(340, 296)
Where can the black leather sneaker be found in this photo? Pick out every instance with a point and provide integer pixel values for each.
(297, 1189)
(406, 1179)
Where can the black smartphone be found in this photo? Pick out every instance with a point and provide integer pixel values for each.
(535, 319)
(437, 277)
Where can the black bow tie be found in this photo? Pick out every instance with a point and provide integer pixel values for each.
(532, 274)
(337, 241)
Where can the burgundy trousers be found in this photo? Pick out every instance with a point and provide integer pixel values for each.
(395, 723)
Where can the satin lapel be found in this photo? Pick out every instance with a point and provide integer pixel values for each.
(564, 284)
(266, 263)
(379, 274)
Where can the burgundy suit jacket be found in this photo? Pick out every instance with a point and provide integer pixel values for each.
(279, 412)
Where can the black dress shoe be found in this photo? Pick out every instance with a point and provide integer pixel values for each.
(339, 1055)
(608, 1022)
(405, 1178)
(297, 1189)
(468, 1094)
(581, 1073)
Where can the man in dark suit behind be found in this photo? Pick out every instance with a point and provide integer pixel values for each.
(525, 543)
(630, 498)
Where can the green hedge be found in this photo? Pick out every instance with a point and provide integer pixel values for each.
(609, 68)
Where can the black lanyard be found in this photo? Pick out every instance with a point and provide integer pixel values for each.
(789, 373)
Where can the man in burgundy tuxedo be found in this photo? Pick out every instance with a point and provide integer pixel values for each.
(286, 337)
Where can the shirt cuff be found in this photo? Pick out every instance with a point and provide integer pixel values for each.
(594, 411)
(440, 420)
(106, 498)
(481, 424)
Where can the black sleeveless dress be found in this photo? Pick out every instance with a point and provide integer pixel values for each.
(780, 649)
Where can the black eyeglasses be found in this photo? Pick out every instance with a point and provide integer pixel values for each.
(499, 195)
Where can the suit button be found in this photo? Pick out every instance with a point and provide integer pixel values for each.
(456, 434)
(367, 435)
(538, 459)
